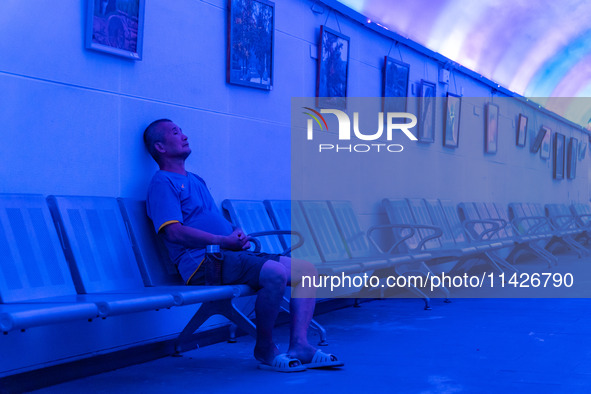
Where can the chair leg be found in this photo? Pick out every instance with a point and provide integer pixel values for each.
(420, 268)
(225, 308)
(321, 332)
(501, 262)
(579, 249)
(543, 253)
(464, 264)
(424, 296)
(493, 263)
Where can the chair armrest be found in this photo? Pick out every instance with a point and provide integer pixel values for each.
(582, 222)
(413, 227)
(437, 232)
(543, 220)
(539, 221)
(469, 226)
(569, 224)
(253, 236)
(502, 224)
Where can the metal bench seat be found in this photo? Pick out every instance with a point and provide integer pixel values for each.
(444, 234)
(23, 316)
(321, 246)
(565, 221)
(530, 219)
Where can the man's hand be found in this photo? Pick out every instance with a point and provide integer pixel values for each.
(244, 238)
(235, 241)
(195, 238)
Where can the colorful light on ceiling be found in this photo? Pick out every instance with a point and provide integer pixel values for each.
(538, 48)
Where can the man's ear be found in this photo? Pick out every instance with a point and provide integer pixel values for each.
(159, 146)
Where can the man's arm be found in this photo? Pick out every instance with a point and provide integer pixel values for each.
(194, 238)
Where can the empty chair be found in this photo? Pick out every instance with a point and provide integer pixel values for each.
(530, 220)
(326, 251)
(252, 217)
(566, 224)
(358, 245)
(481, 235)
(582, 213)
(481, 247)
(424, 237)
(525, 243)
(36, 287)
(356, 241)
(280, 213)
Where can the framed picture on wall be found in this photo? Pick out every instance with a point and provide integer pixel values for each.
(492, 128)
(545, 147)
(427, 100)
(451, 131)
(521, 130)
(537, 143)
(394, 85)
(116, 27)
(558, 156)
(333, 68)
(251, 36)
(582, 149)
(571, 157)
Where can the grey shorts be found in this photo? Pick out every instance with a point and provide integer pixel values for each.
(239, 267)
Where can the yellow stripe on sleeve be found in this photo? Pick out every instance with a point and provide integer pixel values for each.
(167, 223)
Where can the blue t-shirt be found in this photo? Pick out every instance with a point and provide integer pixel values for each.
(185, 199)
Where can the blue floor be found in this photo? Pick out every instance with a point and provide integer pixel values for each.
(393, 345)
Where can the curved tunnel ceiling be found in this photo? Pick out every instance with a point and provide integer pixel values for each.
(535, 48)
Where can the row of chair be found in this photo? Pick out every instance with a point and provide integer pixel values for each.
(104, 260)
(333, 240)
(425, 232)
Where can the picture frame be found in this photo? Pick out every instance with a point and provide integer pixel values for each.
(521, 130)
(116, 27)
(251, 41)
(559, 140)
(582, 149)
(451, 130)
(394, 85)
(537, 143)
(545, 146)
(572, 154)
(426, 125)
(332, 69)
(492, 128)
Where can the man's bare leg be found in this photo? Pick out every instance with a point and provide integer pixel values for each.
(302, 305)
(273, 279)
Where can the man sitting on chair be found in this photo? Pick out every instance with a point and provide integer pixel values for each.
(185, 214)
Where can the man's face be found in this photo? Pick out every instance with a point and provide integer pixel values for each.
(174, 143)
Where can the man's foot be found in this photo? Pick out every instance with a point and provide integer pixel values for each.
(266, 353)
(314, 358)
(304, 353)
(283, 363)
(324, 360)
(271, 359)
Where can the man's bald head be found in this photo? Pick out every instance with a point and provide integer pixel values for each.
(154, 133)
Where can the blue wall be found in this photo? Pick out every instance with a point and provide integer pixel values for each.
(73, 121)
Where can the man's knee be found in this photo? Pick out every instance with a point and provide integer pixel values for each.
(309, 269)
(302, 268)
(273, 275)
